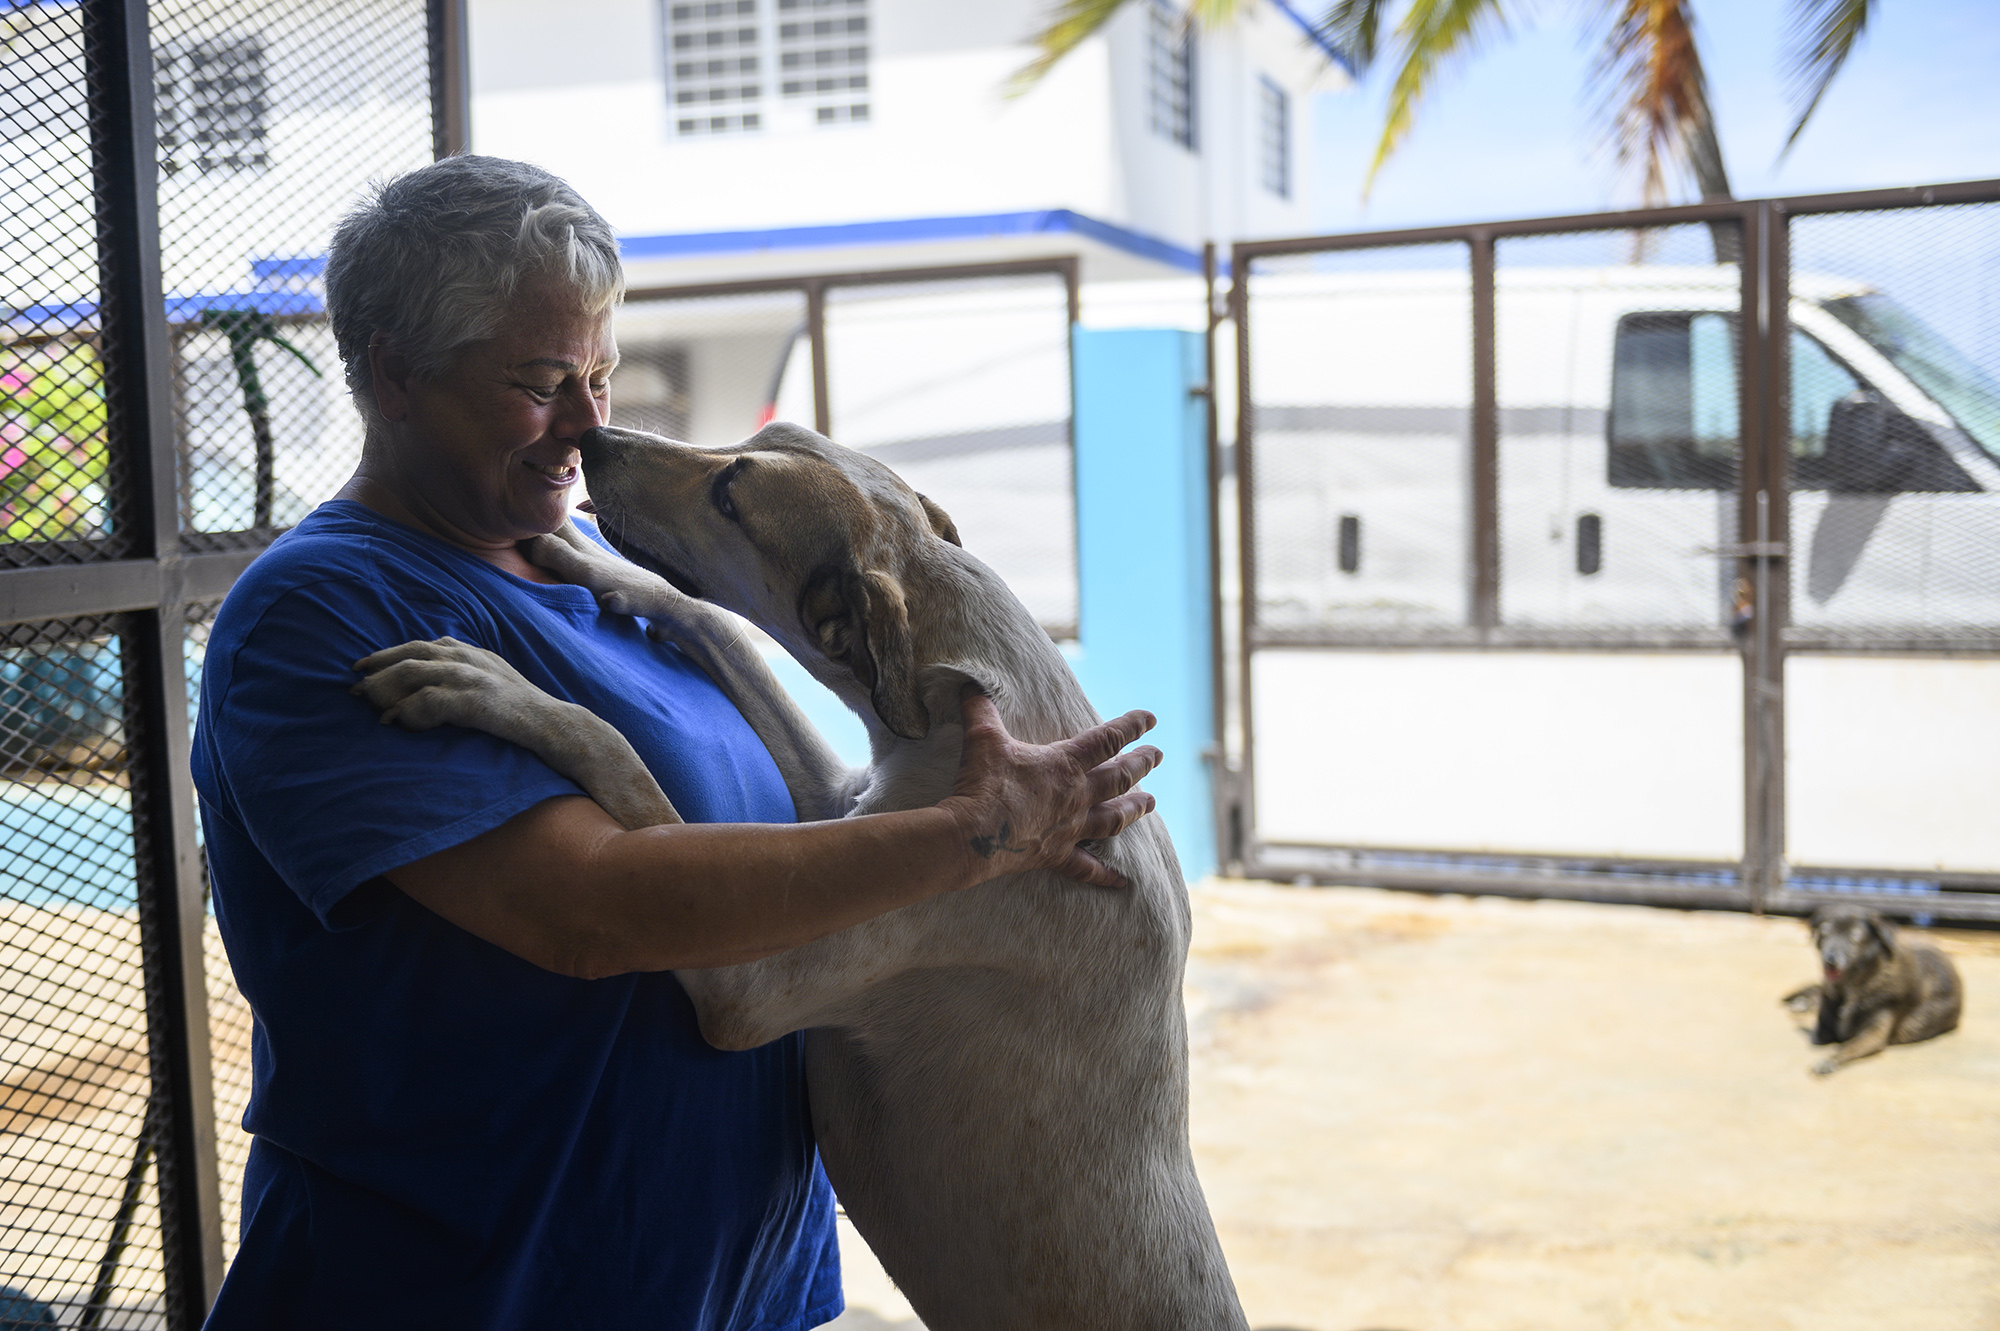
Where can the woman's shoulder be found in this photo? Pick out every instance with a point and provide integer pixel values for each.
(342, 554)
(341, 541)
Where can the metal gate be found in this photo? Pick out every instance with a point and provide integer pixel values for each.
(169, 401)
(959, 378)
(1641, 556)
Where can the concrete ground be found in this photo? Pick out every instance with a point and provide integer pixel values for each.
(1450, 1114)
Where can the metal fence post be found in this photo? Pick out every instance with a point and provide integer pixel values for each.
(1764, 530)
(816, 340)
(1236, 846)
(172, 912)
(451, 86)
(1485, 488)
(1221, 786)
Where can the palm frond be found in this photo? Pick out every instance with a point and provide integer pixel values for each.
(1355, 26)
(1071, 23)
(1431, 33)
(1656, 97)
(1823, 33)
(1074, 22)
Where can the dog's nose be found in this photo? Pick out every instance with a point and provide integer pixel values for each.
(596, 442)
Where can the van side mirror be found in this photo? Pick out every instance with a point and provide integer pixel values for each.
(1871, 448)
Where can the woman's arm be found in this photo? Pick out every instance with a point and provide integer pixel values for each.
(562, 885)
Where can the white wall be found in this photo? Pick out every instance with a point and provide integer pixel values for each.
(586, 98)
(1893, 762)
(1631, 754)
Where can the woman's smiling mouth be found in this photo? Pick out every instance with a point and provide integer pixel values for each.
(560, 472)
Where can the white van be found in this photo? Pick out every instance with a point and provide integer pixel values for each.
(1617, 440)
(1618, 436)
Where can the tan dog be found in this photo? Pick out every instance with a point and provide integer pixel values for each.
(998, 1077)
(1880, 987)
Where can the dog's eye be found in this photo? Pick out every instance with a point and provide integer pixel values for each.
(719, 491)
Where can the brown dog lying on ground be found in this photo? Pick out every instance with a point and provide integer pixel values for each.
(1881, 988)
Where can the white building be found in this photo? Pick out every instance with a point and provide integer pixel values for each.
(743, 138)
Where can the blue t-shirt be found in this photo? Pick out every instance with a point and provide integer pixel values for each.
(446, 1135)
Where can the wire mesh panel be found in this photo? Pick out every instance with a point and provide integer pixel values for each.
(963, 387)
(709, 370)
(271, 118)
(1361, 376)
(1895, 424)
(1618, 366)
(56, 501)
(79, 1220)
(1895, 535)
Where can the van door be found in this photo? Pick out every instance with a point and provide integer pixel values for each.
(1894, 513)
(1650, 478)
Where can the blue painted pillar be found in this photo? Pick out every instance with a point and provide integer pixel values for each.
(1142, 558)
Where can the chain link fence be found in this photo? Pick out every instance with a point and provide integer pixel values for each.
(169, 402)
(1362, 362)
(1539, 518)
(57, 503)
(271, 117)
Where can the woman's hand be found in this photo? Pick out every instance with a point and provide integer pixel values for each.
(1028, 806)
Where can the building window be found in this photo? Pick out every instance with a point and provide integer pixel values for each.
(1170, 73)
(823, 58)
(715, 84)
(1274, 128)
(212, 108)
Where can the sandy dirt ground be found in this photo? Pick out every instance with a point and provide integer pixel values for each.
(1450, 1114)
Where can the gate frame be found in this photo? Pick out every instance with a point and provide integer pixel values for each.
(1762, 555)
(816, 285)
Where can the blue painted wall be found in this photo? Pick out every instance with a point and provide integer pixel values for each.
(1142, 557)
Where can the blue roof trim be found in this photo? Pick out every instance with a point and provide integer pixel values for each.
(905, 231)
(288, 266)
(62, 316)
(1318, 38)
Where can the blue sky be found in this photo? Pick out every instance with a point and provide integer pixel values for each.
(1513, 131)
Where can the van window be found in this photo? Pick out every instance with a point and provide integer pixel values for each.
(1674, 405)
(1818, 381)
(1962, 388)
(1673, 422)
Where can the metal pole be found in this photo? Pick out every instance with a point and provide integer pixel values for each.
(1218, 696)
(816, 332)
(1237, 848)
(451, 86)
(1763, 557)
(172, 912)
(1485, 553)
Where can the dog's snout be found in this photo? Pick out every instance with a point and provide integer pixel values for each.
(596, 442)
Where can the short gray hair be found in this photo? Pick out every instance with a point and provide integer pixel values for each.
(432, 259)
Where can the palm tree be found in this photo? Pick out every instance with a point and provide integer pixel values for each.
(1649, 67)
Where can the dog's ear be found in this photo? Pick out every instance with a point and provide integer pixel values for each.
(1883, 931)
(941, 522)
(862, 622)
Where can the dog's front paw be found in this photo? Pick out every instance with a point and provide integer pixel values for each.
(1802, 1000)
(575, 558)
(423, 685)
(1826, 1067)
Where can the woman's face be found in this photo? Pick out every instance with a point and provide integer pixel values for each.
(485, 453)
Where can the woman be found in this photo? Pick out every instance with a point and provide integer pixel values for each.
(480, 1099)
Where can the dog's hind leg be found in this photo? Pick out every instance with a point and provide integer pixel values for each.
(422, 685)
